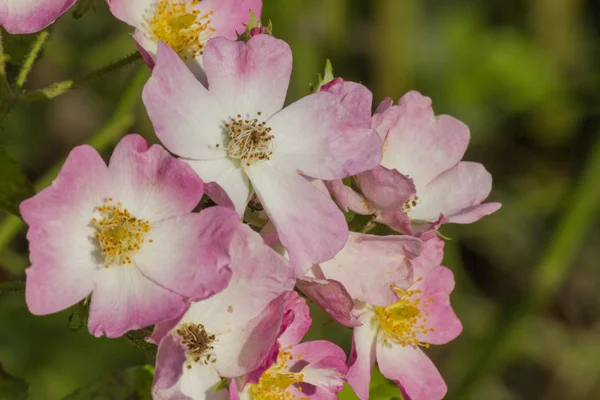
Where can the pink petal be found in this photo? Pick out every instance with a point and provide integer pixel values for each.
(190, 253)
(411, 369)
(441, 317)
(243, 348)
(430, 258)
(259, 276)
(296, 320)
(61, 252)
(455, 192)
(150, 182)
(170, 358)
(386, 189)
(131, 12)
(474, 213)
(231, 15)
(173, 380)
(362, 357)
(332, 297)
(186, 116)
(422, 145)
(29, 16)
(368, 265)
(248, 78)
(229, 184)
(348, 199)
(124, 299)
(322, 362)
(310, 225)
(385, 117)
(327, 135)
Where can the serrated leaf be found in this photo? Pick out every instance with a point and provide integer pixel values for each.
(14, 184)
(132, 383)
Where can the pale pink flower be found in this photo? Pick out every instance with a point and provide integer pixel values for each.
(29, 16)
(295, 371)
(229, 334)
(126, 234)
(184, 25)
(394, 335)
(236, 133)
(421, 182)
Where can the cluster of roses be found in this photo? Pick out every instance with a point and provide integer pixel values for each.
(220, 294)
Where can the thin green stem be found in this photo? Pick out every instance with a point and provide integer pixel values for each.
(117, 125)
(35, 51)
(5, 90)
(547, 277)
(58, 88)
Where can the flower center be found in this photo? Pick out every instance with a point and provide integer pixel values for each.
(250, 141)
(120, 234)
(177, 23)
(403, 321)
(410, 204)
(198, 341)
(273, 382)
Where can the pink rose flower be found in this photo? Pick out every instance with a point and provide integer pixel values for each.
(126, 234)
(184, 25)
(29, 16)
(236, 133)
(394, 335)
(229, 334)
(421, 182)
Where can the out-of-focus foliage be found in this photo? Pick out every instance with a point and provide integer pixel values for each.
(523, 74)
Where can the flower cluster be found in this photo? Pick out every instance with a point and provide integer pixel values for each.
(211, 241)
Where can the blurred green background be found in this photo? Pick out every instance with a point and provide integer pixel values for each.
(523, 74)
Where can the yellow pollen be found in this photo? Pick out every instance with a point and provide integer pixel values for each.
(120, 234)
(181, 25)
(274, 382)
(409, 204)
(403, 321)
(250, 141)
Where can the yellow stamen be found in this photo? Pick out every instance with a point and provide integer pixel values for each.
(181, 25)
(403, 321)
(120, 234)
(274, 382)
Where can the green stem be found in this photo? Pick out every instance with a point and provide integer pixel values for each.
(58, 88)
(12, 287)
(37, 47)
(5, 90)
(547, 277)
(117, 125)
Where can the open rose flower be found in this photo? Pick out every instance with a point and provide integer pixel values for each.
(309, 370)
(394, 336)
(421, 182)
(29, 16)
(229, 334)
(236, 133)
(184, 25)
(126, 234)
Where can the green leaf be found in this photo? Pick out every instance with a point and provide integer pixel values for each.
(224, 384)
(14, 185)
(324, 79)
(132, 383)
